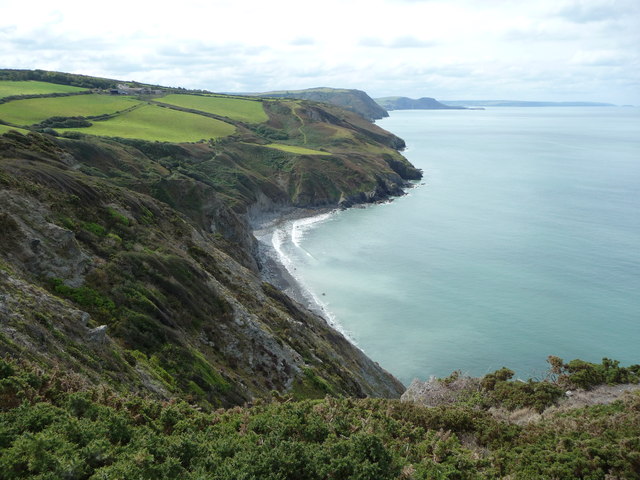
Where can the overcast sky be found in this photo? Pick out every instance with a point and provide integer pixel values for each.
(486, 49)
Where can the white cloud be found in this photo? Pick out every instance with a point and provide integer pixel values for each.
(541, 50)
(406, 41)
(600, 58)
(588, 11)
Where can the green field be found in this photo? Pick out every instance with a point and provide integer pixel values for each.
(35, 110)
(249, 111)
(155, 123)
(296, 150)
(6, 128)
(9, 88)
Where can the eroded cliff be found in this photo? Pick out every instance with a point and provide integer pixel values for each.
(133, 262)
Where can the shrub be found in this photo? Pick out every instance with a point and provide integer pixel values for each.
(518, 394)
(84, 296)
(94, 228)
(581, 374)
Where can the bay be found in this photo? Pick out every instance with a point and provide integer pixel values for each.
(522, 241)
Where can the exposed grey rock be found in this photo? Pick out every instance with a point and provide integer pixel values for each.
(98, 334)
(44, 248)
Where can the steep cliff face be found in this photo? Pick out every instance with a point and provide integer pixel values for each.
(133, 262)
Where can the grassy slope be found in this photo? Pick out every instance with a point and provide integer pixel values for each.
(6, 128)
(10, 88)
(366, 155)
(296, 150)
(169, 271)
(35, 110)
(249, 111)
(155, 123)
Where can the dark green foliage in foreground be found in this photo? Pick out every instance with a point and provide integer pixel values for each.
(54, 426)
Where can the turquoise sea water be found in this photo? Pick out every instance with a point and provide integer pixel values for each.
(523, 241)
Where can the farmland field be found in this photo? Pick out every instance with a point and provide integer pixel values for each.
(9, 88)
(35, 110)
(296, 150)
(249, 111)
(154, 123)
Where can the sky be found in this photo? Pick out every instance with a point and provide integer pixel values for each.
(540, 50)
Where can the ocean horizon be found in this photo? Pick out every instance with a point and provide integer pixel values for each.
(520, 242)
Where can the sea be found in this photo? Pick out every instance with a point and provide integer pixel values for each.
(521, 241)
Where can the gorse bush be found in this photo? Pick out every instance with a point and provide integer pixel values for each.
(56, 426)
(581, 374)
(512, 395)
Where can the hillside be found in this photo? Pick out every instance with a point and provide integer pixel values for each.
(127, 254)
(353, 100)
(405, 103)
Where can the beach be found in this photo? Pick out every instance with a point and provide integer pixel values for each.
(271, 229)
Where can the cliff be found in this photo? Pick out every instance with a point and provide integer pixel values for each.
(132, 263)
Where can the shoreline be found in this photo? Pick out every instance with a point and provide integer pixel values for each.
(265, 225)
(272, 267)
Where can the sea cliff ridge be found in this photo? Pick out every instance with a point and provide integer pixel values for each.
(131, 260)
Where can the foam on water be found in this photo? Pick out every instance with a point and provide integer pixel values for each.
(286, 241)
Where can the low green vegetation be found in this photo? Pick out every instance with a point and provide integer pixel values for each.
(581, 374)
(35, 110)
(64, 122)
(56, 426)
(296, 150)
(84, 296)
(155, 123)
(6, 128)
(10, 88)
(244, 110)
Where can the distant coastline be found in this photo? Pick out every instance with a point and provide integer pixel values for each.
(522, 103)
